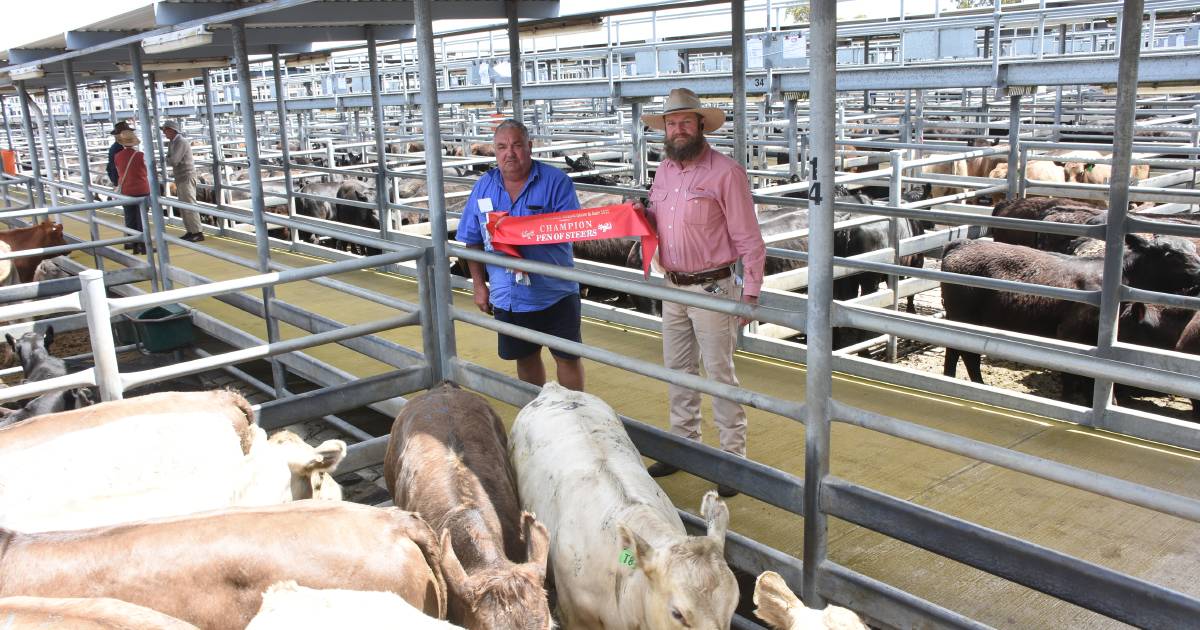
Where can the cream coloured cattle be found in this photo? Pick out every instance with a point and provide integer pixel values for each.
(82, 613)
(285, 468)
(618, 549)
(289, 606)
(211, 569)
(1034, 171)
(1082, 168)
(958, 168)
(779, 607)
(447, 458)
(152, 456)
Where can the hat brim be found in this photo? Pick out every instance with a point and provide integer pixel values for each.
(714, 118)
(132, 143)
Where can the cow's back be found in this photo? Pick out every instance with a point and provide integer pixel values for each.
(579, 472)
(82, 613)
(566, 440)
(150, 456)
(447, 451)
(211, 569)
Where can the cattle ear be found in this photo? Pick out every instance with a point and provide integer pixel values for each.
(328, 455)
(12, 343)
(537, 541)
(643, 553)
(716, 514)
(570, 162)
(1136, 242)
(48, 337)
(452, 570)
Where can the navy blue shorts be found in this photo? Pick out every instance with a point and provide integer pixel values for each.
(560, 319)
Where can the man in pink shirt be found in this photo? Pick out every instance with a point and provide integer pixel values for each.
(704, 215)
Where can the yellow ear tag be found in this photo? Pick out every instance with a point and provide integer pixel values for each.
(626, 558)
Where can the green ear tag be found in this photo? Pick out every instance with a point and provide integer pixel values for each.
(1089, 167)
(626, 558)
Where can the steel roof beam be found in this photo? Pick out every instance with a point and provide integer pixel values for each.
(79, 40)
(18, 56)
(173, 13)
(385, 12)
(266, 36)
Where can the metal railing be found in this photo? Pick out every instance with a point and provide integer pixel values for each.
(100, 309)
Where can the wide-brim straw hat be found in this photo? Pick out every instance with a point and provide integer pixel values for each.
(682, 101)
(128, 138)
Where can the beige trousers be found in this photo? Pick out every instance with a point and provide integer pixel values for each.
(185, 191)
(692, 335)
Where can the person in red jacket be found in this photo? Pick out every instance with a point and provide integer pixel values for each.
(132, 181)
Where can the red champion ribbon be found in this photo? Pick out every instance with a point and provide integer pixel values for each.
(587, 224)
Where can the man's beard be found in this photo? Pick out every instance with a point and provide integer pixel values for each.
(686, 152)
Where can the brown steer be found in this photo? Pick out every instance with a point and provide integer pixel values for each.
(211, 569)
(447, 459)
(45, 234)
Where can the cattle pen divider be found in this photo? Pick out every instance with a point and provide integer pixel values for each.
(1086, 584)
(99, 309)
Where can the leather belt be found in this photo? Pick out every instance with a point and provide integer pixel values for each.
(684, 279)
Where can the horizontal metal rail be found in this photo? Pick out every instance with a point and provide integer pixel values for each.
(785, 408)
(679, 296)
(338, 285)
(1058, 293)
(66, 209)
(1079, 478)
(204, 364)
(66, 249)
(70, 303)
(1141, 223)
(1083, 583)
(1029, 349)
(125, 305)
(82, 378)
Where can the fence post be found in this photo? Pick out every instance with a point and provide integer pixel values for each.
(104, 353)
(895, 198)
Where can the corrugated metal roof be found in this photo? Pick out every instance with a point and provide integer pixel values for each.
(292, 25)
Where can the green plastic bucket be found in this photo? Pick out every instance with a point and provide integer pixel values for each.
(164, 328)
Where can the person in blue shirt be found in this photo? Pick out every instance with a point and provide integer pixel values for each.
(522, 187)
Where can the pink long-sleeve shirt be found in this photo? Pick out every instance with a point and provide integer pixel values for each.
(705, 218)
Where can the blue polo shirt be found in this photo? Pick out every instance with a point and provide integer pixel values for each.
(547, 190)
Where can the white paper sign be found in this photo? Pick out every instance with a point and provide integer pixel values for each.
(795, 46)
(754, 53)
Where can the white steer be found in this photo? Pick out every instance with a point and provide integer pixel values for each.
(620, 555)
(289, 606)
(153, 456)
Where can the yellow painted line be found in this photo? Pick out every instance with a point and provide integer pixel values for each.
(1137, 444)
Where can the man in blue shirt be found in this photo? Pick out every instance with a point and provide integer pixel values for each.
(522, 187)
